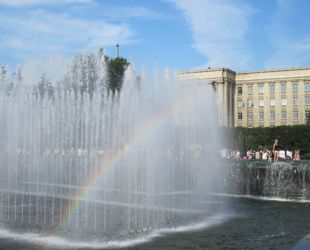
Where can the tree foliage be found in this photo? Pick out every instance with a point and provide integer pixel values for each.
(87, 73)
(9, 84)
(116, 68)
(290, 137)
(44, 88)
(308, 121)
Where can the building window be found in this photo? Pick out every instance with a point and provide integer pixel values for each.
(261, 88)
(272, 102)
(250, 116)
(239, 90)
(295, 115)
(283, 115)
(240, 104)
(261, 102)
(295, 87)
(250, 90)
(295, 101)
(239, 115)
(261, 116)
(283, 101)
(250, 103)
(272, 115)
(307, 86)
(271, 88)
(307, 100)
(307, 114)
(283, 87)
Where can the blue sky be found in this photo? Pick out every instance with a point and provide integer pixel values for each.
(178, 34)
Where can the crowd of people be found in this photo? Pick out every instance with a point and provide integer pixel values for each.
(263, 152)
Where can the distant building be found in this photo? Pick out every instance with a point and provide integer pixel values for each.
(259, 98)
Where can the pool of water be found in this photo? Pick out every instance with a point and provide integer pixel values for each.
(246, 224)
(258, 224)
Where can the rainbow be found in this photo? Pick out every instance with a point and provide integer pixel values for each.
(117, 155)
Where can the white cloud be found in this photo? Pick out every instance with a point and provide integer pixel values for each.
(103, 9)
(36, 32)
(219, 29)
(120, 12)
(31, 28)
(19, 3)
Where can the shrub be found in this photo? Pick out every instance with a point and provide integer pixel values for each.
(290, 137)
(306, 156)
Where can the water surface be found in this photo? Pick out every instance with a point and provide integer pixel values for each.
(250, 224)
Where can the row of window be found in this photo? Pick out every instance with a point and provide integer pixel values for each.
(261, 102)
(295, 88)
(272, 115)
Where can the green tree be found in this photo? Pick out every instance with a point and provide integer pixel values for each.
(308, 121)
(290, 137)
(116, 68)
(45, 87)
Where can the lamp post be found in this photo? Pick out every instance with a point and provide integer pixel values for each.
(247, 105)
(117, 50)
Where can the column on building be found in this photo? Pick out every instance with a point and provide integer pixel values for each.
(230, 103)
(225, 102)
(220, 97)
(228, 100)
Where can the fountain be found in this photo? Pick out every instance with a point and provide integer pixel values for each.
(83, 165)
(283, 180)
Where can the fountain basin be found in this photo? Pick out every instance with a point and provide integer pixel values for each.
(284, 180)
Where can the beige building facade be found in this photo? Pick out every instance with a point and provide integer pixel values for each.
(259, 98)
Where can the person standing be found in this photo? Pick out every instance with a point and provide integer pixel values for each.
(297, 155)
(275, 150)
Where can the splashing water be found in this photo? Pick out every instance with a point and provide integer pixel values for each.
(80, 164)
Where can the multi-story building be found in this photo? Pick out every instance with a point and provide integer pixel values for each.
(259, 98)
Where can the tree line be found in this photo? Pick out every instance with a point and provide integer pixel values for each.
(289, 137)
(86, 74)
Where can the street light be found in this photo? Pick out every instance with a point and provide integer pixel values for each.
(247, 105)
(117, 50)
